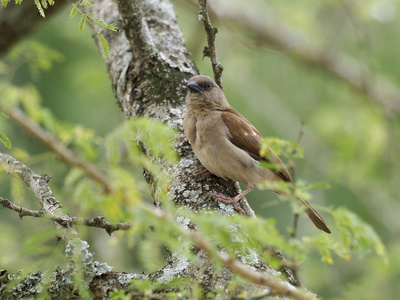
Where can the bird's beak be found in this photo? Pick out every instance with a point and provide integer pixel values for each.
(194, 87)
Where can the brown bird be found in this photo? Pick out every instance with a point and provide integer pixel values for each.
(228, 145)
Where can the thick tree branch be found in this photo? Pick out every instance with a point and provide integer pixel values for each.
(62, 152)
(210, 50)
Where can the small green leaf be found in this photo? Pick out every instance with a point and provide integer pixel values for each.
(51, 2)
(73, 12)
(104, 45)
(3, 116)
(5, 2)
(40, 8)
(101, 23)
(318, 185)
(44, 4)
(4, 139)
(81, 23)
(87, 3)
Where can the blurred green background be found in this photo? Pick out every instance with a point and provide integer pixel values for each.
(349, 141)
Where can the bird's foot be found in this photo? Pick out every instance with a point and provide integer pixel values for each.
(226, 200)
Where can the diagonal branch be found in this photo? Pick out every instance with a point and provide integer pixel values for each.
(210, 50)
(62, 152)
(276, 285)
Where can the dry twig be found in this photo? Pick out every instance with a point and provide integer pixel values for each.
(210, 50)
(66, 220)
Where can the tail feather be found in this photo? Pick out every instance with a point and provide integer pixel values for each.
(315, 217)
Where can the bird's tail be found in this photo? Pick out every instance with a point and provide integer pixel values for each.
(315, 217)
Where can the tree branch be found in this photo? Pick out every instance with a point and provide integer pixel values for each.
(210, 50)
(39, 185)
(66, 220)
(275, 284)
(62, 152)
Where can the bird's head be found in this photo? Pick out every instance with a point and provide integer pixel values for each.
(203, 91)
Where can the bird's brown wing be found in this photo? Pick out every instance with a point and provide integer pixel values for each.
(245, 136)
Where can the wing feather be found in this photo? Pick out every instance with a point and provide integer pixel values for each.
(246, 137)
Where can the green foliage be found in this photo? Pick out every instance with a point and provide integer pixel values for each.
(3, 138)
(104, 45)
(40, 8)
(93, 22)
(357, 235)
(39, 57)
(281, 147)
(118, 295)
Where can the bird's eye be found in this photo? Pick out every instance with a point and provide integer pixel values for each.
(208, 85)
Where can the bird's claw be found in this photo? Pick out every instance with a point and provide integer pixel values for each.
(227, 200)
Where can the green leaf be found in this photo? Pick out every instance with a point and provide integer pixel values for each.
(81, 23)
(156, 136)
(3, 116)
(87, 3)
(5, 140)
(358, 235)
(118, 295)
(44, 4)
(281, 147)
(40, 8)
(101, 23)
(73, 12)
(5, 2)
(104, 45)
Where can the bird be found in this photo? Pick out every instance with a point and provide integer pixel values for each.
(228, 145)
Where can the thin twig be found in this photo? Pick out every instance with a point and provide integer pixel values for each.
(62, 152)
(292, 171)
(65, 219)
(293, 232)
(210, 50)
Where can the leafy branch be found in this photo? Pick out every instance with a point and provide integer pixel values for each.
(90, 19)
